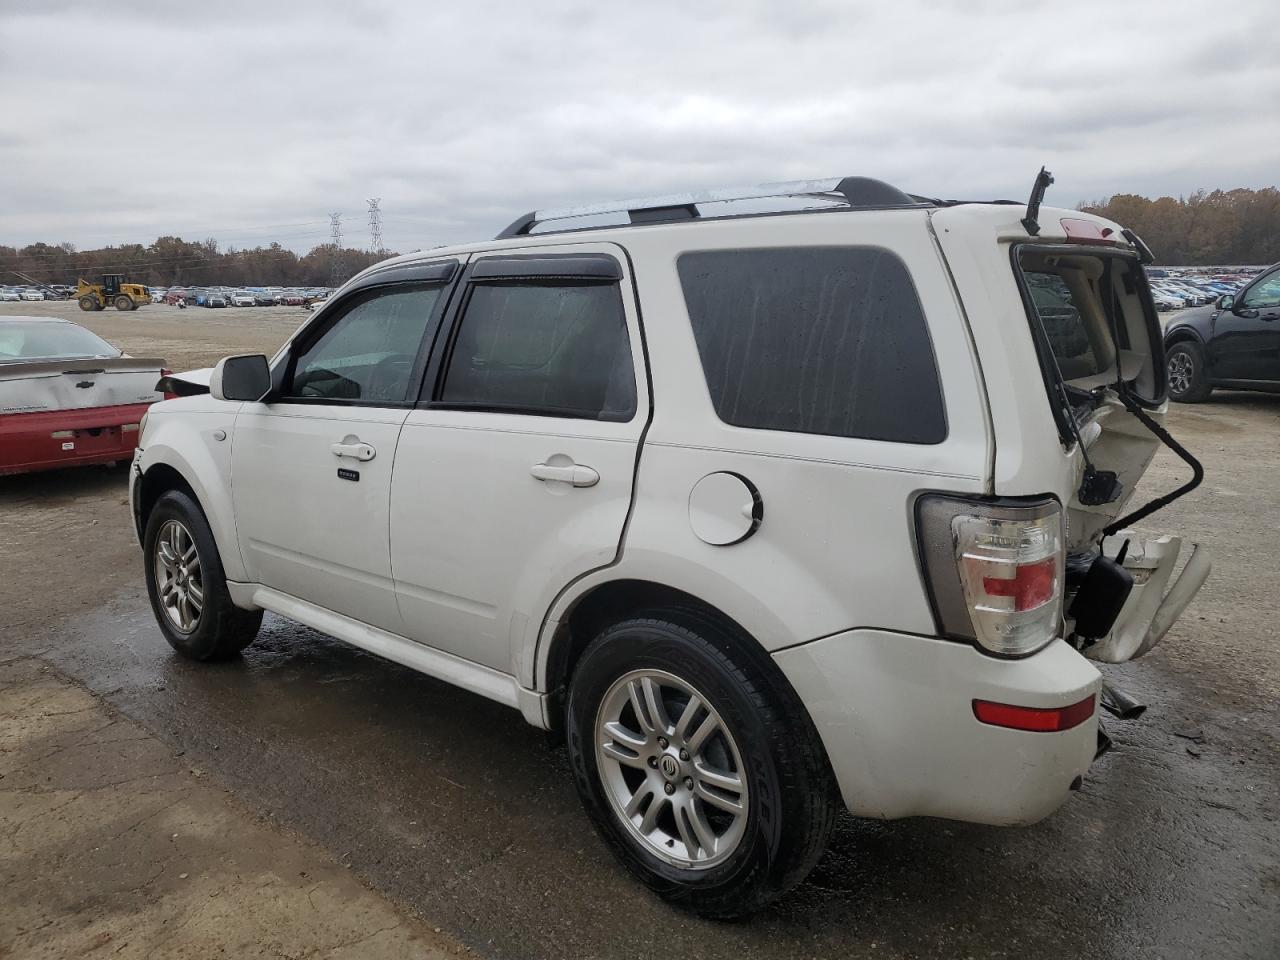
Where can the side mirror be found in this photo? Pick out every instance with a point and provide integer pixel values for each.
(246, 377)
(1226, 301)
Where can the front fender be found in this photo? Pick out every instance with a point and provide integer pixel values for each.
(198, 447)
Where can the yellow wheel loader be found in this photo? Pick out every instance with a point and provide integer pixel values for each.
(114, 290)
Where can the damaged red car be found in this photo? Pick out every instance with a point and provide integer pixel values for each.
(67, 397)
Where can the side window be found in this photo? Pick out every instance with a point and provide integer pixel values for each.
(1265, 294)
(553, 349)
(828, 340)
(368, 353)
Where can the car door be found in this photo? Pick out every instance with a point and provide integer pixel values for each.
(514, 474)
(1246, 338)
(311, 466)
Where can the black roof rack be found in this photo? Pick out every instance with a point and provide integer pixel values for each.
(857, 193)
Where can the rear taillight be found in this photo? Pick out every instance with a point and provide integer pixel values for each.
(994, 570)
(168, 395)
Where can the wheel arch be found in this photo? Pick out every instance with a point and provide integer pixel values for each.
(625, 598)
(163, 468)
(1183, 335)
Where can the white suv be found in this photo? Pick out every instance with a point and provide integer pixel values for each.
(768, 510)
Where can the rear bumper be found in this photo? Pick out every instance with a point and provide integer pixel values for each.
(52, 439)
(895, 713)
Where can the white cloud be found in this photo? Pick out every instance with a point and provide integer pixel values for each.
(251, 121)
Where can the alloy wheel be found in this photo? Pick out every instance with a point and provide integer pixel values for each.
(1181, 372)
(179, 581)
(671, 769)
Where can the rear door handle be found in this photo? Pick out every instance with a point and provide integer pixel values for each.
(354, 448)
(575, 473)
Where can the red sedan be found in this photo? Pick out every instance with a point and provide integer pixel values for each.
(67, 397)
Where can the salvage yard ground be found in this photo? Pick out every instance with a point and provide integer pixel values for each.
(414, 806)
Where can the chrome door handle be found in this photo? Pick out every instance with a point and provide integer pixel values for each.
(353, 448)
(574, 473)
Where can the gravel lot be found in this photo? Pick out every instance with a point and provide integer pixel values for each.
(456, 811)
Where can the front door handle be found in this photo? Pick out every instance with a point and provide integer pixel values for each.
(574, 473)
(353, 447)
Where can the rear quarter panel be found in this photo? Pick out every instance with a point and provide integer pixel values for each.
(1029, 458)
(835, 548)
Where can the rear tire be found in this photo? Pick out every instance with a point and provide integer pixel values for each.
(762, 758)
(187, 585)
(88, 303)
(1188, 373)
(124, 303)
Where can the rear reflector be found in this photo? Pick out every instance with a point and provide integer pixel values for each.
(1035, 719)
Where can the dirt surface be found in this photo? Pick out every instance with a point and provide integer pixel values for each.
(454, 808)
(187, 339)
(113, 845)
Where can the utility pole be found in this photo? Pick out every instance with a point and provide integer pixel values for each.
(335, 236)
(375, 227)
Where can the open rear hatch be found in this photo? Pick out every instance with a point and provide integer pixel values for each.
(1100, 350)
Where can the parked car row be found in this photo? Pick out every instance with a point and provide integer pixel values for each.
(30, 294)
(240, 297)
(1178, 291)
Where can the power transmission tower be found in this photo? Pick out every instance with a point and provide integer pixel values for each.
(375, 227)
(335, 235)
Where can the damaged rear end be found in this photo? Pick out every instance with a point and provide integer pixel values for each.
(1070, 347)
(1099, 351)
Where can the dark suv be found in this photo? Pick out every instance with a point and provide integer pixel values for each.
(1234, 343)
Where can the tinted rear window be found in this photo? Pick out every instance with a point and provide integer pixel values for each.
(828, 340)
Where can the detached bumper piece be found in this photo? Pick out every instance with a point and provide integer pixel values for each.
(1153, 603)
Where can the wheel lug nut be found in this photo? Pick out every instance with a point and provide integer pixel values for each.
(684, 754)
(670, 788)
(653, 762)
(662, 742)
(688, 783)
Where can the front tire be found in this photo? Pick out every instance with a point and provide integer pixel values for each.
(697, 764)
(1188, 374)
(187, 586)
(88, 303)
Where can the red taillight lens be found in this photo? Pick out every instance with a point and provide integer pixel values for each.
(167, 394)
(1034, 719)
(995, 569)
(1031, 585)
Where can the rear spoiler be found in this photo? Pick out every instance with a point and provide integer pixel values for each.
(34, 369)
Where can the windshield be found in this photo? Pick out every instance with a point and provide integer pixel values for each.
(46, 340)
(1094, 309)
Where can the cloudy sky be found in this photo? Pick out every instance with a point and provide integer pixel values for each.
(251, 121)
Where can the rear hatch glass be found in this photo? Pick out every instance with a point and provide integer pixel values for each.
(1094, 323)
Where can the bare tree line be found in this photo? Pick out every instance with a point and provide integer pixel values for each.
(1240, 226)
(1220, 227)
(172, 261)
